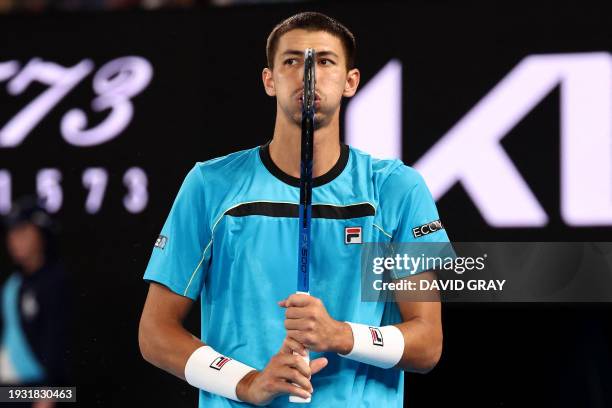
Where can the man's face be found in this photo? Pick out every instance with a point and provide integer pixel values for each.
(24, 242)
(288, 75)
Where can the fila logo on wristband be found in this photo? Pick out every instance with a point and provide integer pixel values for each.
(368, 346)
(219, 362)
(352, 235)
(377, 338)
(219, 382)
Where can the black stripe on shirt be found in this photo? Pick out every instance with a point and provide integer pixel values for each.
(292, 210)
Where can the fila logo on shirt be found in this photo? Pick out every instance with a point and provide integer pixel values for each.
(219, 362)
(377, 338)
(427, 228)
(352, 235)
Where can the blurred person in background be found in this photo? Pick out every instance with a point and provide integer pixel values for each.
(35, 307)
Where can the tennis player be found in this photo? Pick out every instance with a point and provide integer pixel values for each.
(230, 240)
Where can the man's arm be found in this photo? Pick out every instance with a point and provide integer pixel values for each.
(163, 340)
(422, 330)
(165, 343)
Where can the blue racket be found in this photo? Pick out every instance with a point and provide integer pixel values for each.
(306, 158)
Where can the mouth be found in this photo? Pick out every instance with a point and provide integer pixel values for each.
(300, 96)
(317, 100)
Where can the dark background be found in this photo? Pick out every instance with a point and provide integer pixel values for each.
(206, 100)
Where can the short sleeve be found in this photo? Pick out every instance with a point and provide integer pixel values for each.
(182, 252)
(415, 216)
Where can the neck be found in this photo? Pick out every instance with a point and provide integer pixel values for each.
(286, 146)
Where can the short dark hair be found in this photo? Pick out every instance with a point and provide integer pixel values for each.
(312, 21)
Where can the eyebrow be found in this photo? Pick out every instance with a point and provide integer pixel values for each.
(318, 53)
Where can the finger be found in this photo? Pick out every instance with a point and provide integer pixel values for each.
(295, 361)
(292, 346)
(318, 364)
(294, 376)
(298, 300)
(298, 336)
(294, 312)
(287, 388)
(286, 346)
(301, 324)
(282, 303)
(301, 365)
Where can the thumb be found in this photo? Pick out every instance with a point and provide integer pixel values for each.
(317, 365)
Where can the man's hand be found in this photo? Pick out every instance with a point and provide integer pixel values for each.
(308, 323)
(283, 371)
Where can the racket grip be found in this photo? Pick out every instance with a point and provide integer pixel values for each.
(293, 398)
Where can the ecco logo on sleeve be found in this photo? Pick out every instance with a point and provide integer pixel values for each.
(427, 228)
(352, 235)
(219, 362)
(377, 338)
(160, 242)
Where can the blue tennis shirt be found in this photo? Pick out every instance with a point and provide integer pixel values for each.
(231, 240)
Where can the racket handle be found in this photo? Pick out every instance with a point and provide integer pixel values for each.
(293, 398)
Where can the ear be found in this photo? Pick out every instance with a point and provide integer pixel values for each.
(352, 82)
(268, 82)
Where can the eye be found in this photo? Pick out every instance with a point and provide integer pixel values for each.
(290, 61)
(325, 61)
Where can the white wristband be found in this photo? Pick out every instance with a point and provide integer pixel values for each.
(213, 372)
(378, 346)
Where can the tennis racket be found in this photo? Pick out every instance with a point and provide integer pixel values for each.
(305, 211)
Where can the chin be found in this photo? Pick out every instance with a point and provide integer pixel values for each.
(321, 120)
(297, 119)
